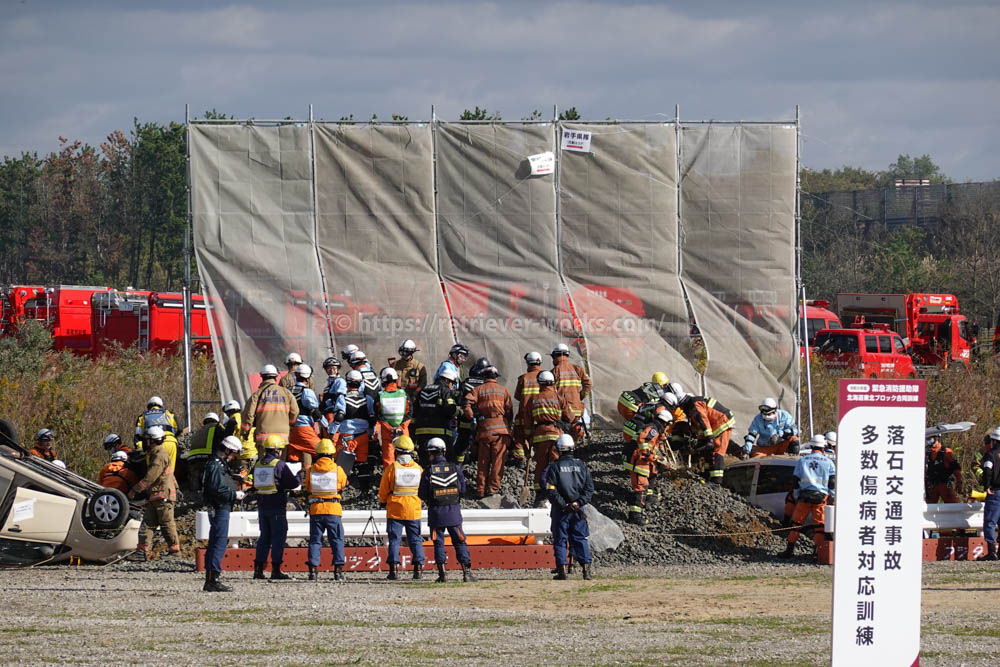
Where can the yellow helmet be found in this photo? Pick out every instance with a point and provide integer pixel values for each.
(660, 378)
(324, 447)
(274, 442)
(403, 443)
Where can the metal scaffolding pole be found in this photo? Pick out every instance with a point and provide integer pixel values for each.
(186, 286)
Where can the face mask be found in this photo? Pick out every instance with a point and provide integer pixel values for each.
(769, 416)
(404, 458)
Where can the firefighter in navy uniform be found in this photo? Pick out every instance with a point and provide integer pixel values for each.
(272, 480)
(220, 492)
(991, 485)
(570, 487)
(436, 411)
(466, 433)
(442, 486)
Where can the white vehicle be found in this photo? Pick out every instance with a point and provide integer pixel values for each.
(764, 481)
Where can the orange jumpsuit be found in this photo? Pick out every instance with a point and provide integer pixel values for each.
(711, 421)
(527, 386)
(941, 466)
(115, 475)
(574, 384)
(48, 454)
(643, 468)
(546, 409)
(495, 411)
(392, 415)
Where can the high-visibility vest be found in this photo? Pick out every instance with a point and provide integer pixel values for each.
(407, 480)
(393, 406)
(324, 485)
(265, 479)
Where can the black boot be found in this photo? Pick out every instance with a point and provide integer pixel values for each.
(586, 571)
(991, 553)
(441, 575)
(392, 572)
(789, 551)
(467, 573)
(417, 569)
(208, 581)
(312, 572)
(277, 574)
(560, 572)
(338, 572)
(213, 585)
(258, 570)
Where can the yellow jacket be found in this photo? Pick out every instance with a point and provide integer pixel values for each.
(317, 502)
(401, 502)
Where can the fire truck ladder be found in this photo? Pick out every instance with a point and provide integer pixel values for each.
(143, 342)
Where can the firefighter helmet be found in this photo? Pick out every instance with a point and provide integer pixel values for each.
(331, 362)
(670, 399)
(232, 443)
(348, 351)
(994, 435)
(388, 375)
(831, 438)
(533, 358)
(119, 456)
(436, 445)
(210, 418)
(546, 378)
(293, 358)
(407, 347)
(112, 440)
(482, 363)
(303, 371)
(274, 442)
(324, 447)
(154, 402)
(665, 416)
(156, 433)
(817, 442)
(358, 357)
(675, 389)
(231, 406)
(403, 444)
(564, 443)
(560, 350)
(354, 379)
(448, 374)
(660, 378)
(768, 409)
(491, 372)
(269, 371)
(458, 348)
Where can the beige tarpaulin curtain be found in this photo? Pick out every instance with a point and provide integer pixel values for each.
(311, 236)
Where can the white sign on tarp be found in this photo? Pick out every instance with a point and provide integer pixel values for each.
(878, 540)
(23, 511)
(543, 163)
(576, 140)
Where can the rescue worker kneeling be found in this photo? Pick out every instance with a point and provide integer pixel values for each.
(398, 492)
(771, 432)
(570, 488)
(642, 467)
(815, 477)
(442, 486)
(324, 484)
(272, 480)
(116, 475)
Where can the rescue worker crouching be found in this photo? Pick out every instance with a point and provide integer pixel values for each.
(399, 493)
(220, 493)
(272, 480)
(161, 486)
(527, 387)
(642, 466)
(712, 424)
(772, 431)
(324, 484)
(392, 415)
(570, 487)
(116, 475)
(43, 445)
(549, 415)
(442, 485)
(815, 477)
(491, 407)
(990, 480)
(303, 438)
(629, 402)
(155, 415)
(412, 373)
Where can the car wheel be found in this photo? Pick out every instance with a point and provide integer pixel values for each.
(8, 434)
(108, 509)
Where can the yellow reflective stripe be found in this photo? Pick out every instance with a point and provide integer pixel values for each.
(725, 427)
(550, 486)
(545, 410)
(569, 383)
(430, 431)
(715, 473)
(641, 470)
(404, 492)
(635, 508)
(710, 402)
(628, 466)
(544, 437)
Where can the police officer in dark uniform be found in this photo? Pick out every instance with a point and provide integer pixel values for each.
(570, 487)
(991, 484)
(442, 486)
(219, 492)
(435, 413)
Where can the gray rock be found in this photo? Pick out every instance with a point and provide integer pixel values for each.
(493, 502)
(605, 535)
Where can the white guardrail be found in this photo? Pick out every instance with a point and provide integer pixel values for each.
(939, 516)
(358, 523)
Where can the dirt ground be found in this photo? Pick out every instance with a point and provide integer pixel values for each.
(756, 614)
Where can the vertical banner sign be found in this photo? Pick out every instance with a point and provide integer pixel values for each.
(878, 537)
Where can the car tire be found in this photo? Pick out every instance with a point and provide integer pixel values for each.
(8, 434)
(108, 509)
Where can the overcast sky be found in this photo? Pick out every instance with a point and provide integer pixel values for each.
(873, 79)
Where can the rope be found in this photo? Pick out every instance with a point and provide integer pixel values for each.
(749, 532)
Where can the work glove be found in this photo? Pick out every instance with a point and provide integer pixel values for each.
(775, 439)
(240, 495)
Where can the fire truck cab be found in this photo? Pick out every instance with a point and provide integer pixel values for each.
(871, 352)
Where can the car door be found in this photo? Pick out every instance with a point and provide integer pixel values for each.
(870, 358)
(886, 364)
(773, 484)
(36, 516)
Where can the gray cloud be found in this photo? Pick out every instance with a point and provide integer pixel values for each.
(873, 79)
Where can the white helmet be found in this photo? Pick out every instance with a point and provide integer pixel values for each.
(407, 347)
(230, 406)
(156, 433)
(59, 463)
(154, 402)
(768, 409)
(995, 434)
(232, 443)
(665, 416)
(831, 438)
(564, 443)
(560, 350)
(210, 417)
(355, 378)
(533, 358)
(269, 371)
(675, 389)
(388, 375)
(119, 455)
(436, 444)
(303, 371)
(44, 434)
(670, 399)
(448, 374)
(348, 351)
(546, 378)
(817, 442)
(293, 358)
(112, 440)
(357, 357)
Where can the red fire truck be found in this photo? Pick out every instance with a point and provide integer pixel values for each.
(150, 321)
(64, 308)
(936, 331)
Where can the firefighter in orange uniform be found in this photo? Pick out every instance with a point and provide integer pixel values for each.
(271, 410)
(115, 475)
(324, 484)
(573, 383)
(548, 412)
(162, 487)
(943, 473)
(711, 422)
(491, 406)
(527, 387)
(43, 445)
